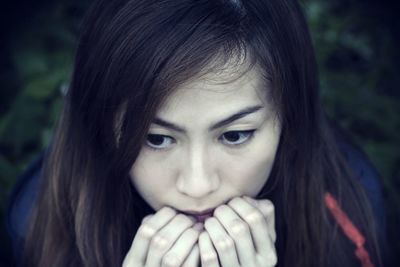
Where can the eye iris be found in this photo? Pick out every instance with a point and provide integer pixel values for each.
(155, 139)
(232, 136)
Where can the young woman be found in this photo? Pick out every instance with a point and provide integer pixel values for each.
(193, 134)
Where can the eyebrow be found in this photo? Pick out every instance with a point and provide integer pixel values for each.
(238, 115)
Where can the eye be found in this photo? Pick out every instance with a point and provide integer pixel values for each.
(237, 137)
(158, 141)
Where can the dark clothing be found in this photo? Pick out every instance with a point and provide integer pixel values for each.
(20, 203)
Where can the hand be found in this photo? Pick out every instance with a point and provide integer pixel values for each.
(243, 233)
(164, 239)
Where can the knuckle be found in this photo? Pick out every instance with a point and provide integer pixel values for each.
(239, 227)
(159, 242)
(170, 260)
(225, 244)
(254, 217)
(146, 230)
(209, 257)
(268, 205)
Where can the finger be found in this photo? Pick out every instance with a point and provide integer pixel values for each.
(208, 255)
(268, 210)
(164, 239)
(181, 249)
(222, 242)
(147, 218)
(257, 223)
(240, 233)
(150, 225)
(193, 259)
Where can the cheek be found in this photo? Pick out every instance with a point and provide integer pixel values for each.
(249, 171)
(151, 178)
(249, 175)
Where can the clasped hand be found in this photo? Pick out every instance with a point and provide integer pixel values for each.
(240, 234)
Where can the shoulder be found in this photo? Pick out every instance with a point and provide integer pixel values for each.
(365, 172)
(20, 201)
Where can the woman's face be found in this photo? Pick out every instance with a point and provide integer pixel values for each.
(214, 139)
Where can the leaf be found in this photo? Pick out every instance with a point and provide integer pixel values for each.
(41, 87)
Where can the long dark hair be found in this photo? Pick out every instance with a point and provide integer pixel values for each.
(132, 54)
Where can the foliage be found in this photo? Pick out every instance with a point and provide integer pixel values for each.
(40, 57)
(38, 52)
(357, 55)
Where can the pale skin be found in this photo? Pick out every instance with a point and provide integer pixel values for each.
(241, 233)
(219, 160)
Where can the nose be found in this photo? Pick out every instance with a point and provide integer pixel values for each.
(197, 176)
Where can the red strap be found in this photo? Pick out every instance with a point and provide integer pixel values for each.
(349, 230)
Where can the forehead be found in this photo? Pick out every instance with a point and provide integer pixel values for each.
(218, 92)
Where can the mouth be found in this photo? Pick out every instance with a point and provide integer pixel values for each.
(200, 216)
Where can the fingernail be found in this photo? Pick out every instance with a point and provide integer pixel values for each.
(192, 219)
(198, 226)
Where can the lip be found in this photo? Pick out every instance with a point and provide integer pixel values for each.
(199, 213)
(200, 216)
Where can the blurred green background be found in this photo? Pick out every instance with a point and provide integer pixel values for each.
(356, 46)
